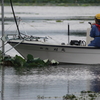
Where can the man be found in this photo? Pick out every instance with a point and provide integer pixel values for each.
(95, 32)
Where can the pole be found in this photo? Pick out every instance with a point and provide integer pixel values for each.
(2, 84)
(68, 33)
(3, 48)
(2, 27)
(68, 81)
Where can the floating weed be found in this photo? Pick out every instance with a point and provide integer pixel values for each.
(43, 97)
(59, 21)
(23, 66)
(30, 62)
(81, 22)
(84, 95)
(40, 97)
(36, 13)
(69, 97)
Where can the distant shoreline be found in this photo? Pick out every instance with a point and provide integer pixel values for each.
(53, 4)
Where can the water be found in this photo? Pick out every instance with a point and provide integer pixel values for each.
(55, 81)
(29, 16)
(54, 10)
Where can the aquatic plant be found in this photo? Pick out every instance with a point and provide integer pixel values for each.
(84, 95)
(29, 62)
(43, 97)
(7, 60)
(0, 56)
(18, 61)
(69, 97)
(59, 21)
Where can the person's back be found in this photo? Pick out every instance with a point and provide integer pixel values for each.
(95, 32)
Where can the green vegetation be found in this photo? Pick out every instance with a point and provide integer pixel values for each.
(54, 2)
(69, 97)
(30, 62)
(59, 21)
(84, 95)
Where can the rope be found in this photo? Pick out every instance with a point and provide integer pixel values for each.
(39, 30)
(32, 26)
(12, 47)
(53, 39)
(9, 27)
(23, 27)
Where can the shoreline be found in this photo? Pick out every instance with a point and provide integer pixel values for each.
(53, 4)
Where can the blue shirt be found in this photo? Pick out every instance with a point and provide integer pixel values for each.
(95, 33)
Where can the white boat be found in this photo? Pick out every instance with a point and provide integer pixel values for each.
(74, 54)
(63, 53)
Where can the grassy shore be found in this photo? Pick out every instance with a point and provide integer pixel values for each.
(53, 4)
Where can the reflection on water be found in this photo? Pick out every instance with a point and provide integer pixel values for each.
(95, 84)
(53, 81)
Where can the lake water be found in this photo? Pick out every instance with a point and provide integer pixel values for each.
(52, 82)
(33, 19)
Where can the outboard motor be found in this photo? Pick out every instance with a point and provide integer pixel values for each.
(76, 42)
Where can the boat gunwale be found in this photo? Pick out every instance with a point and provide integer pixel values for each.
(53, 45)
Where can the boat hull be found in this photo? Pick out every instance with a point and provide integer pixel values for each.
(60, 53)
